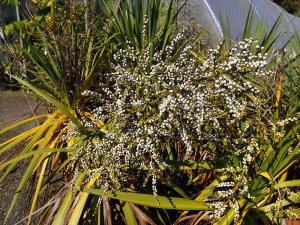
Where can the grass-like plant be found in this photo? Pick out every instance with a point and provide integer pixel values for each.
(143, 127)
(61, 66)
(60, 63)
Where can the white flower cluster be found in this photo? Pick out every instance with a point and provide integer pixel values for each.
(220, 209)
(152, 100)
(71, 132)
(286, 121)
(277, 126)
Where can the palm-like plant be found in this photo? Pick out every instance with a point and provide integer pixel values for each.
(66, 57)
(59, 68)
(61, 65)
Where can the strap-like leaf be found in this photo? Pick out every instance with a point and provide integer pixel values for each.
(129, 214)
(56, 103)
(152, 200)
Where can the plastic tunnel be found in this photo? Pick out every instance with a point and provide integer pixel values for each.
(227, 18)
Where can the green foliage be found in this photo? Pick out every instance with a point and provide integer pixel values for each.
(132, 21)
(292, 6)
(143, 125)
(11, 2)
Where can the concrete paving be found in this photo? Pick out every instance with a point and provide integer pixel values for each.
(14, 105)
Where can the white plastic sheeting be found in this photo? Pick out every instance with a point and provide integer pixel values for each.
(217, 15)
(1, 34)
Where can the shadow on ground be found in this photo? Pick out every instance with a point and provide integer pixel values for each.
(14, 105)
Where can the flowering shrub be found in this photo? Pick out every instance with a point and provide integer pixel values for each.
(200, 132)
(157, 108)
(149, 105)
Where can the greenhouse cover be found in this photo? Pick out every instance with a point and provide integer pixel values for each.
(227, 18)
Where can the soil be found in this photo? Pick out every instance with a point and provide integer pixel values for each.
(15, 105)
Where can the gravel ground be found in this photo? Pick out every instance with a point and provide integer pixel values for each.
(14, 105)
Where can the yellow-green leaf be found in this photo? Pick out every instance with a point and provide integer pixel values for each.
(163, 202)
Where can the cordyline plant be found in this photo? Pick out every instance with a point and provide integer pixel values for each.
(160, 112)
(60, 66)
(165, 134)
